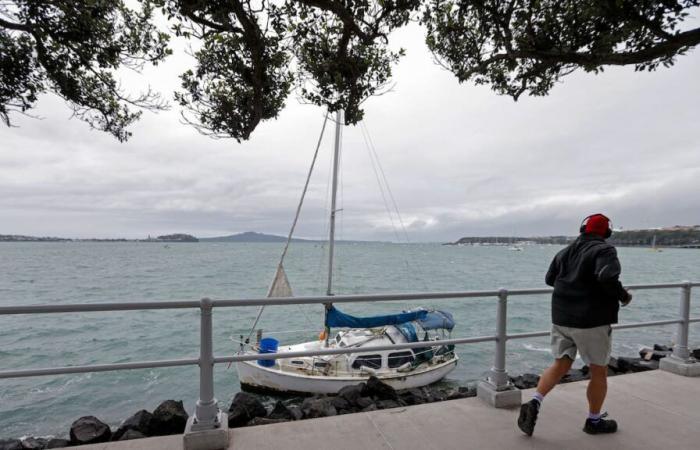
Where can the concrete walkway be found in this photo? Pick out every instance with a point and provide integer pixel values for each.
(655, 410)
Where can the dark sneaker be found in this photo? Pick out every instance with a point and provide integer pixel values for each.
(528, 416)
(601, 426)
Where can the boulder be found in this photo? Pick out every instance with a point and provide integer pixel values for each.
(648, 354)
(89, 430)
(169, 417)
(32, 443)
(340, 403)
(280, 412)
(695, 353)
(10, 444)
(575, 375)
(371, 407)
(314, 407)
(461, 392)
(141, 422)
(263, 421)
(243, 409)
(615, 365)
(414, 396)
(131, 434)
(379, 390)
(57, 443)
(525, 381)
(387, 404)
(662, 348)
(297, 414)
(352, 393)
(632, 364)
(364, 402)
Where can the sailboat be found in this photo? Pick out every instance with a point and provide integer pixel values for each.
(400, 368)
(654, 248)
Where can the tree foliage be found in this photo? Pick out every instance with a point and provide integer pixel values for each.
(251, 55)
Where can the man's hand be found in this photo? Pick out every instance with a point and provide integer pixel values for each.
(628, 298)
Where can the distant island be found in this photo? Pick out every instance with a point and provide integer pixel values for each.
(251, 236)
(677, 236)
(178, 237)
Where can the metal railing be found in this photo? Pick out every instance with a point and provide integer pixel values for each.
(206, 410)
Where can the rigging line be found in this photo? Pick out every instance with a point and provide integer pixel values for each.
(294, 223)
(363, 125)
(379, 183)
(386, 182)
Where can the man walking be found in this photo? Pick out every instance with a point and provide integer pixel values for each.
(586, 298)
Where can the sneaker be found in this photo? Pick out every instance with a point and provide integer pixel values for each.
(528, 416)
(601, 426)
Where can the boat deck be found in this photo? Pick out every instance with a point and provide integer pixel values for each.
(655, 410)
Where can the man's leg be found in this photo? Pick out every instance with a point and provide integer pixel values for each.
(597, 388)
(553, 374)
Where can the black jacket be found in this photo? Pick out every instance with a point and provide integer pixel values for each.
(587, 290)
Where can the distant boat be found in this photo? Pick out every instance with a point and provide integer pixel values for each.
(400, 368)
(654, 248)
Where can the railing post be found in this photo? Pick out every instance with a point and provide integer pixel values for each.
(208, 427)
(680, 350)
(680, 362)
(498, 375)
(496, 389)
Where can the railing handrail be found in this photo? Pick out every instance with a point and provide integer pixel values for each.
(207, 415)
(304, 300)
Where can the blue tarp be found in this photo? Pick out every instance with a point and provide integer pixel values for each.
(337, 319)
(409, 331)
(434, 320)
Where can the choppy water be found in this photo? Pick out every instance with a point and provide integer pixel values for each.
(54, 273)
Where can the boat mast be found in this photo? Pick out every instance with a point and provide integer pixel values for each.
(331, 240)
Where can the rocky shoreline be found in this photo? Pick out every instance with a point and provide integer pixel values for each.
(248, 409)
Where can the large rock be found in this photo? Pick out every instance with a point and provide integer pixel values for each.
(414, 396)
(141, 422)
(525, 381)
(461, 392)
(89, 430)
(648, 354)
(341, 404)
(280, 412)
(131, 434)
(379, 390)
(364, 402)
(10, 444)
(57, 443)
(314, 407)
(169, 417)
(695, 353)
(387, 404)
(352, 393)
(244, 408)
(263, 421)
(575, 375)
(32, 443)
(632, 364)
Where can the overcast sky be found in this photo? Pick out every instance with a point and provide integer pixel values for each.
(460, 161)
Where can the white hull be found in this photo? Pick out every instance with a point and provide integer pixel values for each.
(271, 378)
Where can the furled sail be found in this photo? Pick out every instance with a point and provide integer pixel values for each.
(338, 319)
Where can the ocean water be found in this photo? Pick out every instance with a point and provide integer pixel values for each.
(55, 273)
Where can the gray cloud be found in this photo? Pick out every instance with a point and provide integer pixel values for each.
(460, 161)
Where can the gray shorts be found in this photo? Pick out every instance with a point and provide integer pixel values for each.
(594, 344)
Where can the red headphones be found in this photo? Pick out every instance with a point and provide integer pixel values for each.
(608, 231)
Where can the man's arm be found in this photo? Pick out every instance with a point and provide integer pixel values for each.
(553, 271)
(607, 271)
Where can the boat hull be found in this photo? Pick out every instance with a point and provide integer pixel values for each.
(256, 377)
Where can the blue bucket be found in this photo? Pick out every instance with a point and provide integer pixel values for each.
(268, 345)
